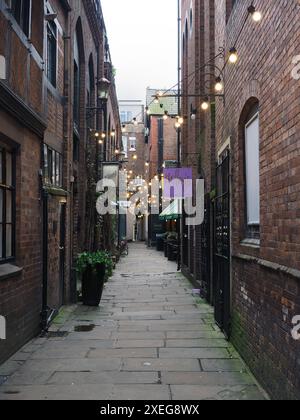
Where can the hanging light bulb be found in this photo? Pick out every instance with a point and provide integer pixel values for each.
(117, 151)
(100, 141)
(103, 136)
(219, 85)
(135, 122)
(135, 157)
(160, 94)
(97, 134)
(205, 104)
(177, 125)
(194, 114)
(233, 55)
(124, 129)
(113, 133)
(166, 116)
(156, 100)
(256, 15)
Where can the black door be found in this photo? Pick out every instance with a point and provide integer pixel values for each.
(222, 284)
(206, 251)
(62, 252)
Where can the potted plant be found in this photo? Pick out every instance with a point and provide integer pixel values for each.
(94, 268)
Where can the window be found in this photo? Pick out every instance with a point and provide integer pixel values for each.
(191, 21)
(52, 167)
(126, 116)
(51, 52)
(21, 10)
(7, 205)
(132, 144)
(252, 143)
(76, 94)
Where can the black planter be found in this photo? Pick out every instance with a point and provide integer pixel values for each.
(92, 285)
(172, 251)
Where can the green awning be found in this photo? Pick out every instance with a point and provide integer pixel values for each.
(173, 212)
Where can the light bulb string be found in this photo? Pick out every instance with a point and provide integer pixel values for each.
(188, 77)
(220, 70)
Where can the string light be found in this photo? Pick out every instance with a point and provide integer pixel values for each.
(97, 134)
(166, 116)
(256, 15)
(219, 85)
(205, 104)
(233, 55)
(194, 114)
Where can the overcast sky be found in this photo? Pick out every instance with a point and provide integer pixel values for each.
(143, 41)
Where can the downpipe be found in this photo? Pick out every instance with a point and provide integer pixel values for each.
(47, 314)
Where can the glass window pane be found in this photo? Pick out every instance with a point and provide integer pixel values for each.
(252, 172)
(8, 241)
(57, 170)
(9, 180)
(8, 207)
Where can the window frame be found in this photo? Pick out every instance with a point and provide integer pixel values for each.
(52, 70)
(20, 18)
(53, 167)
(252, 230)
(5, 187)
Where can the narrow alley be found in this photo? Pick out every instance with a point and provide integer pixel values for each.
(150, 339)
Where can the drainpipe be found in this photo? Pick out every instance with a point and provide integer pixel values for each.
(180, 220)
(45, 260)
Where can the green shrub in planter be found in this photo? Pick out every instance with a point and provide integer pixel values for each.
(94, 268)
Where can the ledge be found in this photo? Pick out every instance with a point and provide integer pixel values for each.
(8, 271)
(252, 243)
(16, 107)
(269, 265)
(56, 191)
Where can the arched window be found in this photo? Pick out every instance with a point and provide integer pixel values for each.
(252, 171)
(191, 21)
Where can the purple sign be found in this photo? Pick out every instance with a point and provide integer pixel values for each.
(178, 183)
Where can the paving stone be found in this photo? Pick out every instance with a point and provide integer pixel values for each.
(198, 343)
(29, 378)
(228, 365)
(57, 392)
(79, 378)
(138, 343)
(128, 352)
(124, 356)
(71, 365)
(200, 393)
(182, 335)
(158, 335)
(155, 365)
(206, 378)
(141, 393)
(197, 353)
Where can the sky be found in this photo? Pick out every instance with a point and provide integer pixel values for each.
(143, 41)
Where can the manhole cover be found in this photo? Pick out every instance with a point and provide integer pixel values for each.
(56, 334)
(84, 328)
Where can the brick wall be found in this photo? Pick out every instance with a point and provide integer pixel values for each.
(265, 299)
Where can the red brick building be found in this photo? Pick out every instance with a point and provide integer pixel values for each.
(55, 53)
(246, 257)
(161, 140)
